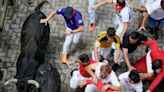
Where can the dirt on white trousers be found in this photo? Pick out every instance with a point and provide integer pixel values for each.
(119, 24)
(91, 12)
(105, 52)
(69, 39)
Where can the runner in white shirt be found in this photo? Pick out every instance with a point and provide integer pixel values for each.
(103, 73)
(123, 15)
(155, 10)
(130, 82)
(145, 15)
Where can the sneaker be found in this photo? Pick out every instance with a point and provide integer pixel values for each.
(91, 27)
(64, 58)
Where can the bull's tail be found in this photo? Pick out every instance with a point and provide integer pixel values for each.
(40, 5)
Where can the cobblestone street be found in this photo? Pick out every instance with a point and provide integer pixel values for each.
(15, 16)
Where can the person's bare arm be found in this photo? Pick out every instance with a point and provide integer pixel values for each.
(96, 53)
(80, 29)
(141, 9)
(116, 60)
(144, 76)
(125, 53)
(51, 15)
(48, 18)
(89, 69)
(70, 63)
(102, 3)
(124, 30)
(142, 26)
(144, 18)
(75, 61)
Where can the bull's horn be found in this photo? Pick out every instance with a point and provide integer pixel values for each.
(34, 83)
(11, 81)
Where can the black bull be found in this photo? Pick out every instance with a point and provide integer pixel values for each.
(34, 41)
(48, 78)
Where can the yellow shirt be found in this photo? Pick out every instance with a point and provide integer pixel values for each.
(103, 42)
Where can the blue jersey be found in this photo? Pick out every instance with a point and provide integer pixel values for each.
(75, 21)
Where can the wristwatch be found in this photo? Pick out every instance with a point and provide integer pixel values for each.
(71, 32)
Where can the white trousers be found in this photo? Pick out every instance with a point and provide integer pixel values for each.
(72, 38)
(115, 50)
(102, 51)
(120, 26)
(106, 51)
(74, 81)
(91, 12)
(91, 88)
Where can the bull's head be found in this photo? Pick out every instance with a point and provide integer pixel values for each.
(23, 86)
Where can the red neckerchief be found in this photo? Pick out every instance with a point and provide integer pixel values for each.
(110, 70)
(118, 7)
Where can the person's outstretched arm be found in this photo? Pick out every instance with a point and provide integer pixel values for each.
(71, 63)
(125, 53)
(90, 69)
(79, 29)
(118, 50)
(125, 29)
(96, 53)
(141, 9)
(143, 22)
(48, 18)
(102, 3)
(95, 50)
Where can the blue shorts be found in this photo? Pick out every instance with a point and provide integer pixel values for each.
(152, 23)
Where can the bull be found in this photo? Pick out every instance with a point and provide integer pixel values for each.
(34, 41)
(48, 78)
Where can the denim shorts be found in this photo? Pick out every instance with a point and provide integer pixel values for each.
(152, 23)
